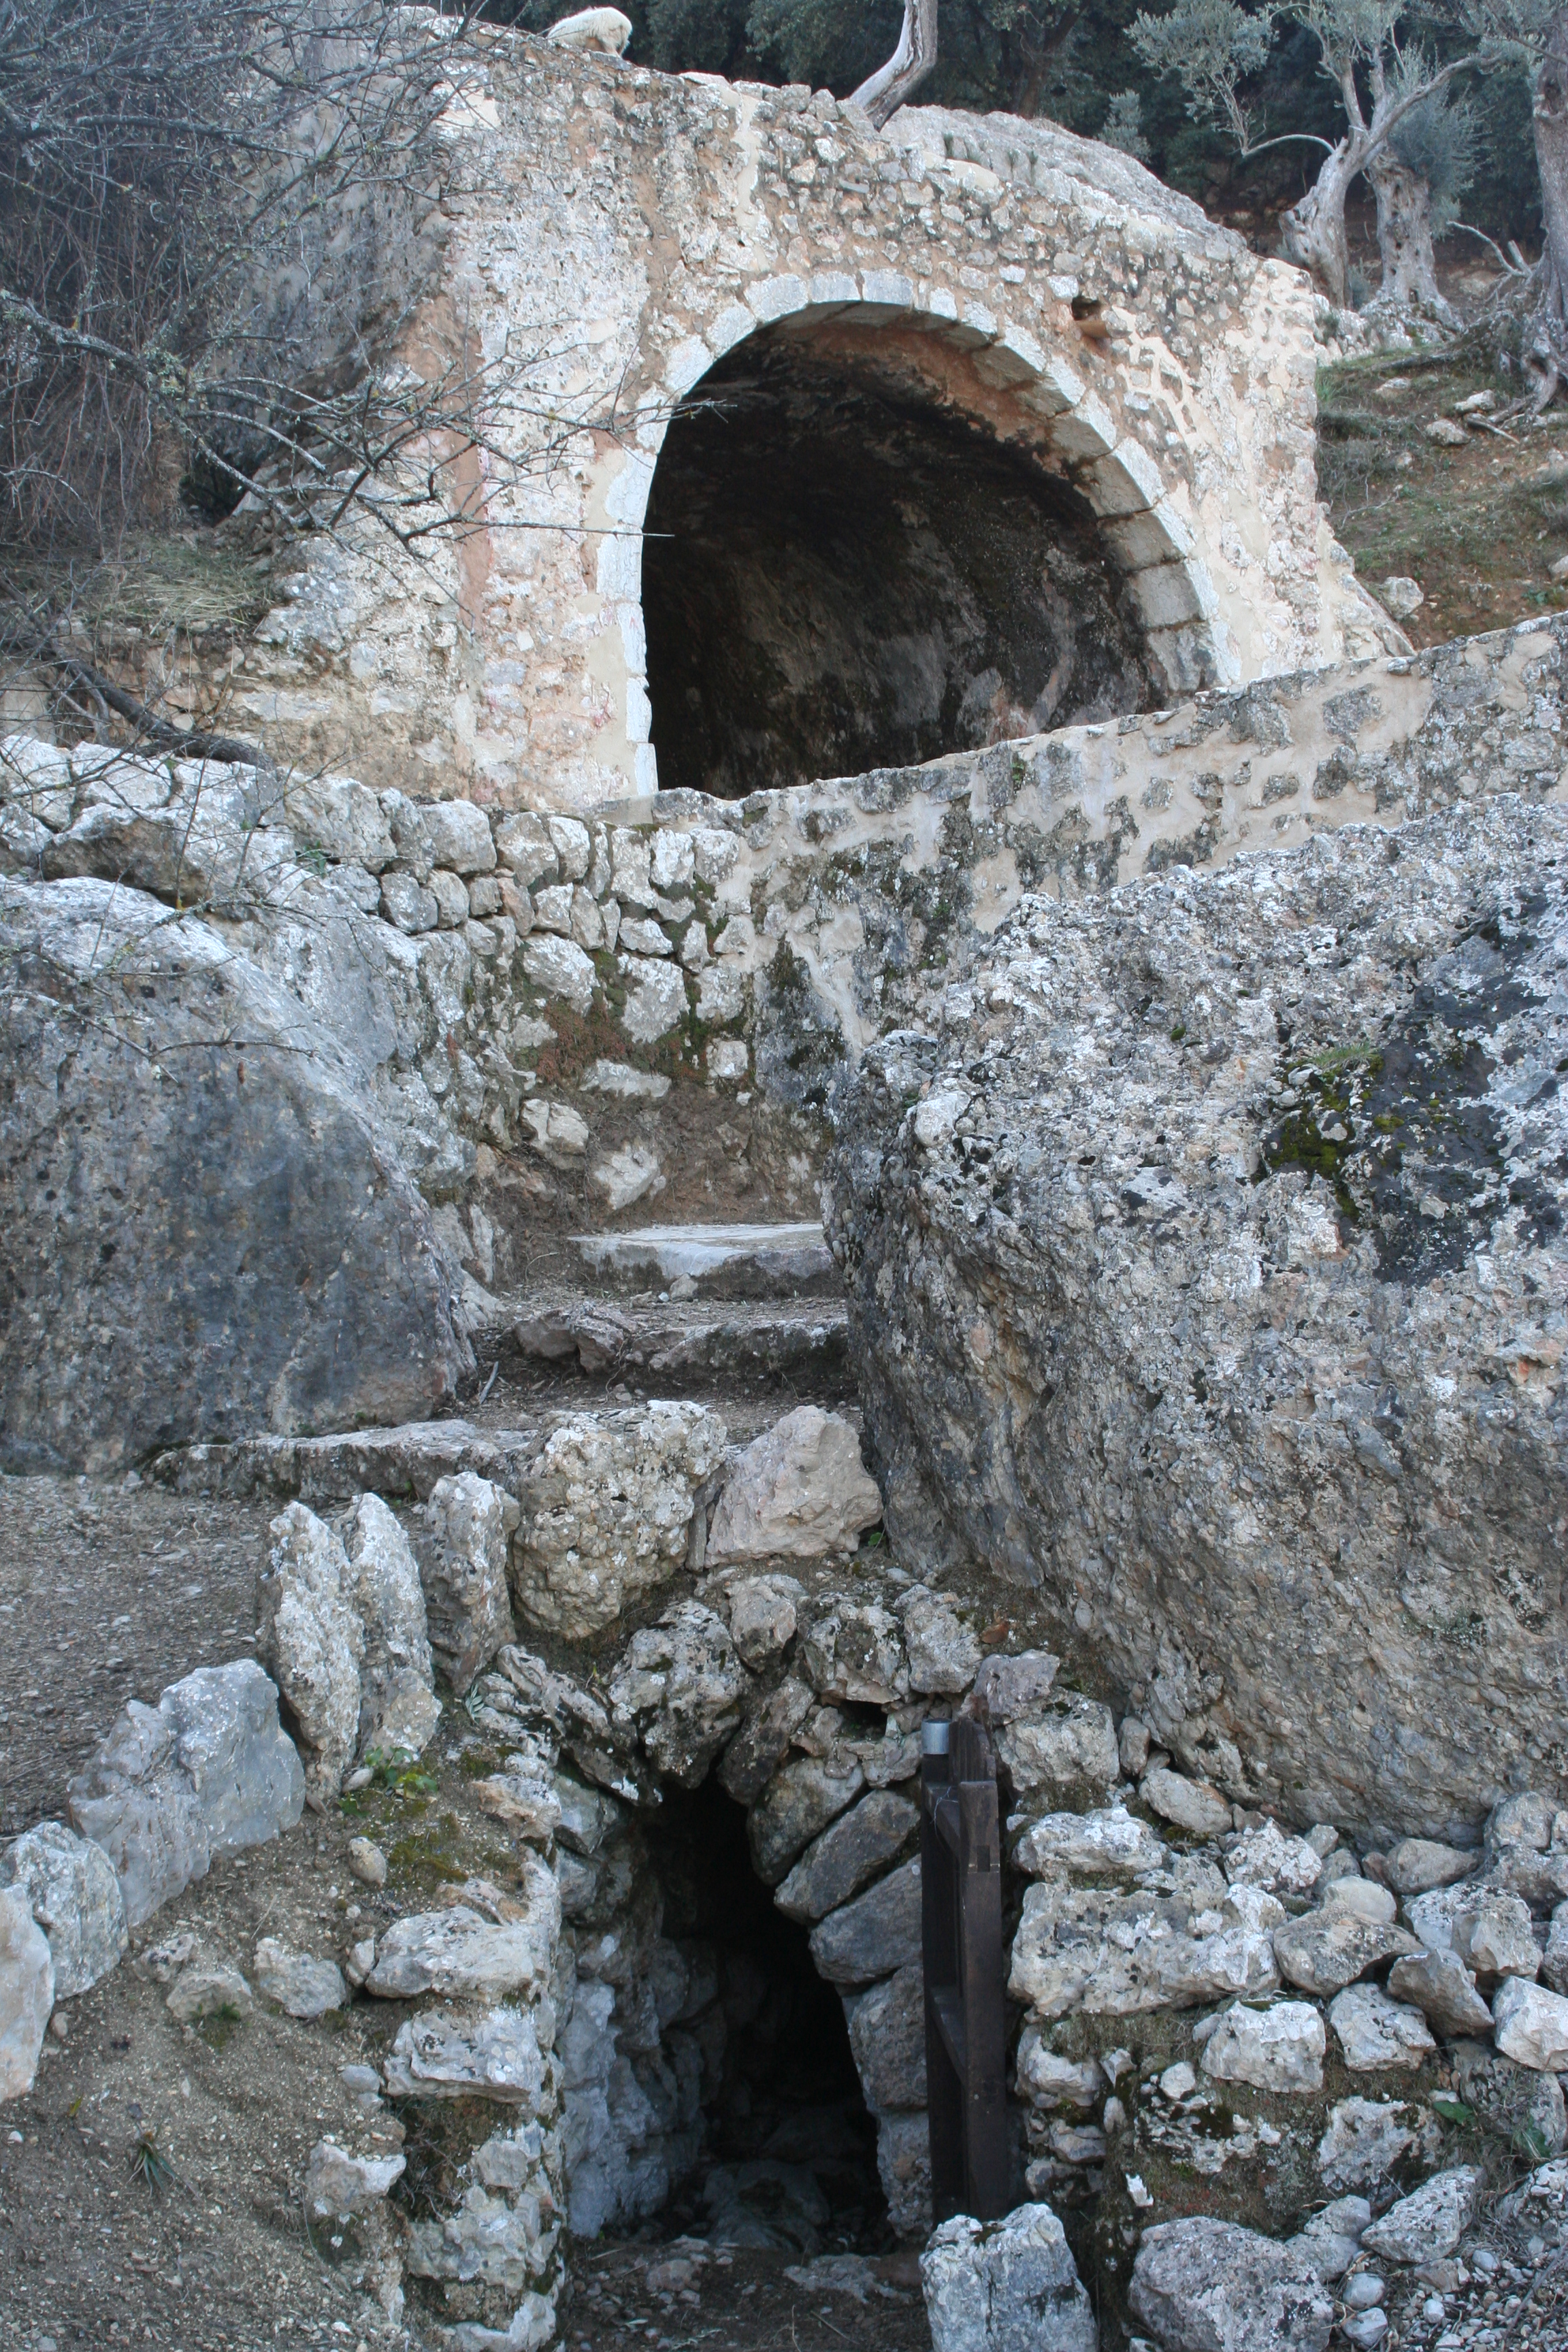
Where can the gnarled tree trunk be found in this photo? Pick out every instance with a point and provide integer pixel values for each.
(1546, 331)
(1404, 240)
(893, 84)
(1312, 233)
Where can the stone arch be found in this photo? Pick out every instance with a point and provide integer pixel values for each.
(1000, 431)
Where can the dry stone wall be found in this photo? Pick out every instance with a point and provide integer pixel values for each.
(617, 233)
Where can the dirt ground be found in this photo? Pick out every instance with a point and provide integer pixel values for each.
(1476, 528)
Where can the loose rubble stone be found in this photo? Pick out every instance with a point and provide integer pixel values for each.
(1415, 1866)
(1279, 1866)
(366, 1862)
(1430, 2223)
(1189, 1804)
(523, 1797)
(208, 1987)
(1005, 1686)
(1114, 1954)
(762, 1611)
(888, 2037)
(1276, 2049)
(1108, 1843)
(1005, 2286)
(1205, 2286)
(398, 1707)
(1366, 2139)
(801, 1800)
(340, 2184)
(1443, 1990)
(459, 1952)
(207, 1772)
(311, 1641)
(609, 1513)
(797, 1493)
(1532, 2024)
(1364, 1897)
(1063, 1747)
(853, 1850)
(297, 1981)
(943, 1652)
(877, 1932)
(1329, 1950)
(681, 1683)
(457, 2054)
(1374, 2032)
(1525, 1849)
(76, 1900)
(1524, 2106)
(26, 1993)
(461, 1543)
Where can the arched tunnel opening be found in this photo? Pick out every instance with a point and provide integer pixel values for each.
(788, 2146)
(847, 567)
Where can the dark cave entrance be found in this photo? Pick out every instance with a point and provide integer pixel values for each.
(844, 570)
(790, 2148)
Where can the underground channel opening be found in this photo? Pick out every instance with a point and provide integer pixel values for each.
(844, 570)
(787, 2151)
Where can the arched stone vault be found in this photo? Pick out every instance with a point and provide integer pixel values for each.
(625, 232)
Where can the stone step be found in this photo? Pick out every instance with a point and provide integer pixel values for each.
(718, 1261)
(666, 1349)
(404, 1460)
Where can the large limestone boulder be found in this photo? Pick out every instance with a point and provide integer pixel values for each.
(204, 1231)
(1201, 1243)
(1008, 2286)
(1203, 2285)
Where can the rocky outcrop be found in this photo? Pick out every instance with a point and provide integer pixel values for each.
(239, 1246)
(1206, 1260)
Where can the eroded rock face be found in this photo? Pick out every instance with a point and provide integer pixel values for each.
(1199, 1248)
(239, 1247)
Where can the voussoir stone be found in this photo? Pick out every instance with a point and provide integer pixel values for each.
(799, 1492)
(887, 2041)
(877, 1932)
(75, 1899)
(681, 1683)
(801, 1800)
(1135, 1194)
(1205, 2286)
(853, 1850)
(1005, 2286)
(609, 1506)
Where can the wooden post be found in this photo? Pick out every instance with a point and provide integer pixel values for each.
(960, 1918)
